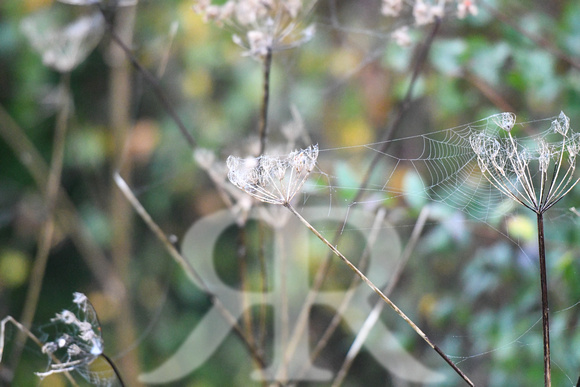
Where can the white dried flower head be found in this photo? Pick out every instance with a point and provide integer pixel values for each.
(466, 7)
(67, 317)
(506, 163)
(273, 179)
(49, 347)
(561, 124)
(79, 298)
(82, 343)
(427, 13)
(506, 121)
(262, 26)
(73, 350)
(401, 36)
(63, 46)
(391, 7)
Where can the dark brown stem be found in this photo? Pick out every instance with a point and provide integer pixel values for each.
(263, 131)
(545, 308)
(115, 369)
(156, 88)
(378, 291)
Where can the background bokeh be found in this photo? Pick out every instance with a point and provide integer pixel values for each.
(474, 290)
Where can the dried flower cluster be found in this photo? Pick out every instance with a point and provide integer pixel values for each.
(272, 179)
(82, 346)
(261, 26)
(63, 46)
(426, 12)
(506, 163)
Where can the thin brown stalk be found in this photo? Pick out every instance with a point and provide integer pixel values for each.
(373, 317)
(545, 307)
(263, 130)
(67, 216)
(120, 210)
(337, 318)
(187, 267)
(157, 89)
(423, 51)
(48, 227)
(380, 294)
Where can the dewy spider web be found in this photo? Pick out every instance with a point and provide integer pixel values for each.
(447, 167)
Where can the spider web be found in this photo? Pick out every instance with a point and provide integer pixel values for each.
(443, 167)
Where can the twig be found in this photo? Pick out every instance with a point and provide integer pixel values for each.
(47, 231)
(322, 271)
(337, 318)
(186, 266)
(157, 89)
(380, 294)
(120, 210)
(373, 316)
(68, 218)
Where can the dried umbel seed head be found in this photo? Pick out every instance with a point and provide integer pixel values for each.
(507, 162)
(261, 26)
(81, 344)
(561, 124)
(63, 46)
(273, 179)
(506, 121)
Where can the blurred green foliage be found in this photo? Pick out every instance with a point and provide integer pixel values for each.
(473, 286)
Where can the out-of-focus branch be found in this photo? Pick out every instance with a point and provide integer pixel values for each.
(540, 41)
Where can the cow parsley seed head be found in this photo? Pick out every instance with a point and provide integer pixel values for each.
(536, 173)
(506, 121)
(261, 26)
(63, 45)
(80, 345)
(272, 179)
(561, 124)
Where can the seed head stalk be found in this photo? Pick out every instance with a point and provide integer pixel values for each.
(506, 165)
(380, 293)
(545, 308)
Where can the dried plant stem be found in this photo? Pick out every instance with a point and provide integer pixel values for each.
(115, 369)
(48, 227)
(322, 271)
(157, 89)
(373, 317)
(337, 318)
(67, 216)
(263, 130)
(545, 308)
(186, 266)
(380, 294)
(120, 210)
